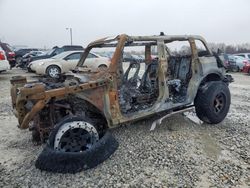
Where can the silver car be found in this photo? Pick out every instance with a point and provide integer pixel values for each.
(240, 61)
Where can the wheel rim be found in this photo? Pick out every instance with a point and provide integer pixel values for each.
(219, 102)
(76, 136)
(53, 72)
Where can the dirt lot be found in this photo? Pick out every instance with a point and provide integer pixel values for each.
(178, 153)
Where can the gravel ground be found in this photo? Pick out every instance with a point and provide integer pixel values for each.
(178, 153)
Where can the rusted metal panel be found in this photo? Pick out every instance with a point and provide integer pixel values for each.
(38, 93)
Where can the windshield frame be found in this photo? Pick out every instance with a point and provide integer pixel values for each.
(121, 41)
(105, 42)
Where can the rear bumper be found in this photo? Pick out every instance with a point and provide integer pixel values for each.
(4, 65)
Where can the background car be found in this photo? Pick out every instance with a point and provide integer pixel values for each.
(240, 61)
(26, 58)
(55, 51)
(34, 53)
(229, 62)
(95, 61)
(65, 62)
(245, 55)
(4, 64)
(60, 63)
(21, 52)
(9, 53)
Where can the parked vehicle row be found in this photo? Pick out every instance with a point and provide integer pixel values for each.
(246, 61)
(236, 62)
(37, 61)
(37, 55)
(240, 62)
(55, 51)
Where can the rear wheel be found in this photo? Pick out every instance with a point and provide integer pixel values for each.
(53, 71)
(212, 102)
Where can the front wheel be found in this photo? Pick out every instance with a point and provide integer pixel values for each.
(74, 135)
(212, 102)
(53, 71)
(75, 144)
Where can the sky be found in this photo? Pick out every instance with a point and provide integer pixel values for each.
(43, 23)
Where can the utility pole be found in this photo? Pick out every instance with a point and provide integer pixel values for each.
(70, 32)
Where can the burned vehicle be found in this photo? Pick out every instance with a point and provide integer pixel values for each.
(74, 111)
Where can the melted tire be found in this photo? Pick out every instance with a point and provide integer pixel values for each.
(72, 162)
(204, 102)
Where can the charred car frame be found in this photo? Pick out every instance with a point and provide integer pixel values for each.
(108, 98)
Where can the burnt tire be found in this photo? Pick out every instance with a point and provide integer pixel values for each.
(212, 102)
(72, 162)
(53, 160)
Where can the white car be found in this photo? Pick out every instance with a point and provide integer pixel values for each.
(4, 64)
(95, 61)
(65, 62)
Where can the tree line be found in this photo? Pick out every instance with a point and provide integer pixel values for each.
(230, 49)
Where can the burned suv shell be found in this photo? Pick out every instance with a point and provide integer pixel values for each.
(107, 97)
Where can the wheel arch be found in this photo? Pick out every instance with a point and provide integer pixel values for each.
(90, 108)
(102, 64)
(212, 76)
